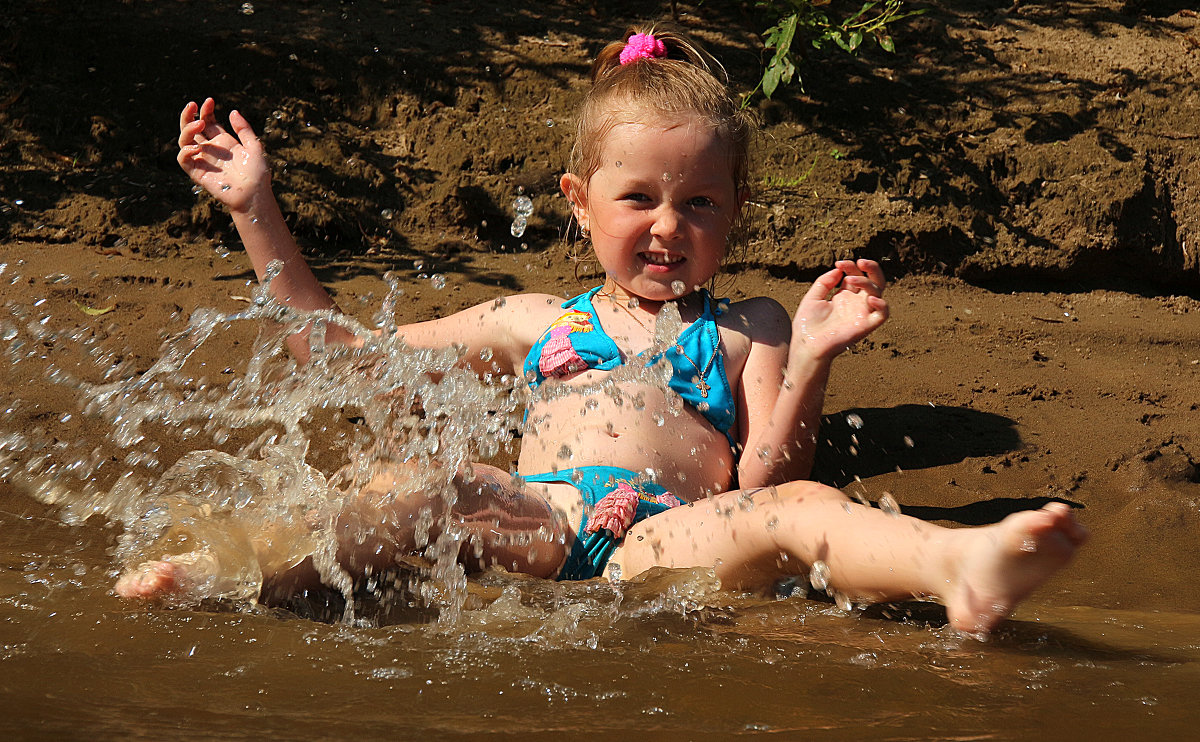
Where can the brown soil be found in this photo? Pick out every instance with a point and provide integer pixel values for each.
(1028, 170)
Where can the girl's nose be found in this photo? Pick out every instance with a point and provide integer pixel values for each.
(666, 222)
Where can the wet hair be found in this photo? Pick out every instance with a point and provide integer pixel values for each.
(687, 81)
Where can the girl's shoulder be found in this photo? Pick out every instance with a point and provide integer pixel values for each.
(755, 316)
(527, 314)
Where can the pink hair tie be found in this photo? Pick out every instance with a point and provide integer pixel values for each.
(642, 46)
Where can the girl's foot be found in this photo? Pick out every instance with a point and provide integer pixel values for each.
(196, 574)
(1004, 563)
(150, 580)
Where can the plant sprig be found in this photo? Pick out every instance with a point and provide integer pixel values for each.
(806, 19)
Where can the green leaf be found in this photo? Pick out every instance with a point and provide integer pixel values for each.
(855, 40)
(886, 42)
(770, 80)
(92, 311)
(866, 6)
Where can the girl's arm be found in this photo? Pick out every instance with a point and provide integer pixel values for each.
(495, 335)
(233, 168)
(782, 387)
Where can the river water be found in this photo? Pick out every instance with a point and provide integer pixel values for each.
(666, 656)
(542, 658)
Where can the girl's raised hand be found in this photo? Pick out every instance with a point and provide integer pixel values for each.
(230, 166)
(843, 306)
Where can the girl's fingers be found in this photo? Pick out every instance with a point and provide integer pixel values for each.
(862, 283)
(849, 267)
(188, 114)
(188, 132)
(208, 115)
(244, 132)
(873, 272)
(825, 284)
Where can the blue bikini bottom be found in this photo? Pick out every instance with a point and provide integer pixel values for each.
(591, 551)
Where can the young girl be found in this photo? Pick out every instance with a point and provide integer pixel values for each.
(700, 457)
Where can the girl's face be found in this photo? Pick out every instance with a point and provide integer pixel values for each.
(660, 207)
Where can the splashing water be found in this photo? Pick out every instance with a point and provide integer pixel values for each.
(230, 516)
(218, 477)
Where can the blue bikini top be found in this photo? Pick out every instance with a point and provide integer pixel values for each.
(576, 342)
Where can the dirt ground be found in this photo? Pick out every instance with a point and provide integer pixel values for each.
(1027, 171)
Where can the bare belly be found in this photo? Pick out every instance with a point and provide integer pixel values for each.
(641, 430)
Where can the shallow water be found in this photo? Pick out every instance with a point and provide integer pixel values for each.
(671, 655)
(79, 662)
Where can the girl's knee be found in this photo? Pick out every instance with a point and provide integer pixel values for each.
(802, 491)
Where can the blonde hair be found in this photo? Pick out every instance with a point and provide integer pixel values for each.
(687, 80)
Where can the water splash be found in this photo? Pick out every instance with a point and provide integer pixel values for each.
(224, 477)
(230, 515)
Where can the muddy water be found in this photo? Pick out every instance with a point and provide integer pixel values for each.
(541, 658)
(670, 656)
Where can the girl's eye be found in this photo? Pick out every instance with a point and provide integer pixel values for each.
(702, 202)
(638, 197)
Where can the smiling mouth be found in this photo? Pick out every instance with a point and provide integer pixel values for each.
(654, 258)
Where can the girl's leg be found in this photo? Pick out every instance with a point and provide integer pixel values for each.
(395, 514)
(495, 522)
(752, 539)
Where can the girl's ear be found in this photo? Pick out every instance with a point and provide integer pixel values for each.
(576, 192)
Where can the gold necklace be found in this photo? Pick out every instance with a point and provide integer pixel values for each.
(702, 386)
(625, 306)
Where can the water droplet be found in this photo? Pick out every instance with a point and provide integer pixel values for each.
(523, 206)
(888, 504)
(618, 163)
(224, 187)
(908, 441)
(818, 575)
(550, 122)
(247, 8)
(666, 177)
(485, 354)
(679, 288)
(197, 190)
(565, 452)
(855, 421)
(438, 281)
(386, 214)
(19, 202)
(518, 226)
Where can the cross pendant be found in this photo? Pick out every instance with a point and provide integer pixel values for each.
(703, 387)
